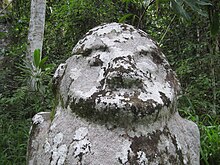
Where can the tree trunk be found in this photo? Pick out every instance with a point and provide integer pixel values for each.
(36, 27)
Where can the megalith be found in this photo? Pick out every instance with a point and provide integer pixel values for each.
(116, 105)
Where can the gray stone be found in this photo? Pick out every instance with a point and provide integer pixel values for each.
(116, 105)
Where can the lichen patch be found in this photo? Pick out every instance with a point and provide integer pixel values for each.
(80, 133)
(142, 158)
(80, 145)
(59, 155)
(58, 138)
(38, 119)
(123, 155)
(58, 150)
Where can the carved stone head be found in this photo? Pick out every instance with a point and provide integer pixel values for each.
(118, 74)
(117, 96)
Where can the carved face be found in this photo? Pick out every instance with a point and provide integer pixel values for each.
(118, 68)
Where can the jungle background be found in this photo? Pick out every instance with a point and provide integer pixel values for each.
(186, 30)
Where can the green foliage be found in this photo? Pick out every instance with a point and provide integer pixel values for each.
(14, 135)
(68, 21)
(209, 132)
(210, 144)
(197, 67)
(177, 5)
(191, 48)
(18, 104)
(180, 7)
(37, 72)
(214, 17)
(16, 110)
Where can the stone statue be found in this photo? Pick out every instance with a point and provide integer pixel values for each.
(116, 105)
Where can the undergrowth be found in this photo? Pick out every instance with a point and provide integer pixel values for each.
(192, 56)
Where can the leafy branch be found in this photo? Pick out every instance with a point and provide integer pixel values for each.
(6, 7)
(36, 71)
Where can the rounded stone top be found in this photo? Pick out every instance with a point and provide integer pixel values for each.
(117, 73)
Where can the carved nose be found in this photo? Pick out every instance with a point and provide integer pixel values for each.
(121, 73)
(123, 80)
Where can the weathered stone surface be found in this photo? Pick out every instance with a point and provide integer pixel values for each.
(116, 105)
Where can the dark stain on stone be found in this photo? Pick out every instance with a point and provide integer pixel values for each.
(120, 161)
(102, 82)
(165, 99)
(89, 33)
(80, 156)
(178, 151)
(86, 52)
(123, 117)
(157, 115)
(157, 58)
(130, 59)
(143, 52)
(83, 109)
(115, 82)
(126, 38)
(67, 101)
(143, 34)
(188, 157)
(127, 59)
(84, 38)
(171, 78)
(167, 66)
(97, 62)
(147, 144)
(86, 109)
(117, 41)
(142, 108)
(131, 29)
(51, 159)
(79, 50)
(172, 159)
